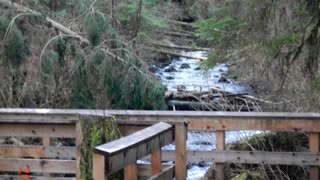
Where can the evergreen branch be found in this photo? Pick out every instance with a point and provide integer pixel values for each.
(63, 29)
(12, 23)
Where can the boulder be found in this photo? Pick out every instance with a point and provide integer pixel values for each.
(223, 80)
(185, 66)
(153, 69)
(170, 69)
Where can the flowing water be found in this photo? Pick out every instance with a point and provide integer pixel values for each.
(186, 72)
(193, 78)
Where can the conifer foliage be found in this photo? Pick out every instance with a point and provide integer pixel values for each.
(54, 70)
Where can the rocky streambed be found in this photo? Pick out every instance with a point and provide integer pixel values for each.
(186, 73)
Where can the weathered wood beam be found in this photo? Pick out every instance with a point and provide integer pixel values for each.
(144, 170)
(220, 146)
(249, 157)
(38, 130)
(98, 169)
(12, 151)
(304, 122)
(181, 151)
(13, 177)
(314, 145)
(129, 149)
(165, 174)
(38, 118)
(38, 165)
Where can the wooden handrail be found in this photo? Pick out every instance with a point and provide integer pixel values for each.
(125, 151)
(131, 121)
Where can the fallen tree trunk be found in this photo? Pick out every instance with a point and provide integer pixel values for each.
(178, 34)
(175, 54)
(53, 23)
(181, 47)
(179, 23)
(183, 31)
(204, 95)
(213, 106)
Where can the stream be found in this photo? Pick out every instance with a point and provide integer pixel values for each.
(186, 72)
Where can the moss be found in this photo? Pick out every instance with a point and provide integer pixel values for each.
(95, 131)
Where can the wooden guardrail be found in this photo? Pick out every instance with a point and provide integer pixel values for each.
(124, 153)
(43, 121)
(39, 156)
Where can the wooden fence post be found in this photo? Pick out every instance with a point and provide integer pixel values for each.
(79, 139)
(220, 146)
(156, 159)
(314, 148)
(181, 151)
(98, 167)
(130, 172)
(46, 141)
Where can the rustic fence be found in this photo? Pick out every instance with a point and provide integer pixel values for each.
(124, 153)
(56, 123)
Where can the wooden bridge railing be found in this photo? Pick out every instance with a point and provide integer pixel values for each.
(124, 153)
(39, 156)
(56, 123)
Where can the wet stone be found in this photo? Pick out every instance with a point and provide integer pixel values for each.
(170, 69)
(153, 69)
(223, 80)
(185, 66)
(169, 77)
(197, 68)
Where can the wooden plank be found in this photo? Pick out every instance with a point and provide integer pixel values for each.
(79, 140)
(314, 143)
(304, 122)
(144, 170)
(12, 177)
(38, 118)
(156, 162)
(136, 114)
(220, 146)
(139, 137)
(11, 151)
(38, 130)
(127, 150)
(98, 167)
(249, 157)
(38, 165)
(165, 174)
(130, 172)
(181, 148)
(235, 124)
(46, 141)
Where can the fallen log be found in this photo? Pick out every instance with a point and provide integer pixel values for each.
(175, 54)
(179, 22)
(181, 47)
(186, 35)
(212, 106)
(183, 31)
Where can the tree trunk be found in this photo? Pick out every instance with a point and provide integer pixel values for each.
(138, 18)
